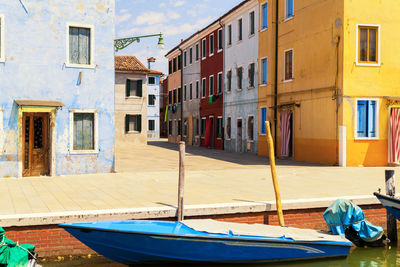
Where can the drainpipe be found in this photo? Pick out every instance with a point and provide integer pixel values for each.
(276, 75)
(180, 49)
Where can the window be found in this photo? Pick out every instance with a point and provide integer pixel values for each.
(251, 75)
(229, 34)
(179, 62)
(263, 117)
(84, 131)
(211, 86)
(289, 65)
(220, 39)
(197, 52)
(239, 75)
(184, 92)
(204, 48)
(264, 18)
(367, 118)
(191, 55)
(152, 100)
(174, 97)
(170, 67)
(170, 97)
(250, 128)
(185, 127)
(197, 89)
(174, 64)
(179, 95)
(211, 40)
(289, 8)
(203, 88)
(228, 128)
(2, 36)
(169, 127)
(179, 127)
(133, 88)
(252, 26)
(240, 30)
(264, 71)
(133, 123)
(80, 50)
(219, 130)
(152, 125)
(152, 80)
(203, 127)
(191, 91)
(220, 83)
(229, 81)
(184, 59)
(368, 44)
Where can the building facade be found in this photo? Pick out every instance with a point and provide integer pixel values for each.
(57, 83)
(131, 98)
(153, 103)
(241, 78)
(163, 100)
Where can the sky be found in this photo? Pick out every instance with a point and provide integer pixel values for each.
(175, 19)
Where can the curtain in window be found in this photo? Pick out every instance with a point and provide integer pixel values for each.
(394, 136)
(83, 131)
(285, 132)
(79, 45)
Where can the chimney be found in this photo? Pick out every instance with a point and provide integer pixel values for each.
(150, 60)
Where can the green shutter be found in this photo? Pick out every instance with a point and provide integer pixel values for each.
(139, 123)
(139, 87)
(128, 87)
(126, 123)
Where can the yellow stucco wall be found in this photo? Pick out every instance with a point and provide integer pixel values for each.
(370, 81)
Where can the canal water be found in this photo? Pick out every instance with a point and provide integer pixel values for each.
(359, 257)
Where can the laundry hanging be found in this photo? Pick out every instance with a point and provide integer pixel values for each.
(285, 132)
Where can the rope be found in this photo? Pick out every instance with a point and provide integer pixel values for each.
(17, 245)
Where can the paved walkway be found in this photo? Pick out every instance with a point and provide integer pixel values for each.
(147, 179)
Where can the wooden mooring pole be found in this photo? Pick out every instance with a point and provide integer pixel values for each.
(390, 191)
(273, 172)
(181, 179)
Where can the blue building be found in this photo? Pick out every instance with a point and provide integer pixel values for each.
(57, 87)
(153, 105)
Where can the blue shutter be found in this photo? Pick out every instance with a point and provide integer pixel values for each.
(362, 118)
(265, 16)
(289, 8)
(264, 71)
(263, 119)
(371, 118)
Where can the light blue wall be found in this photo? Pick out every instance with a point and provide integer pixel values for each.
(153, 112)
(35, 48)
(241, 104)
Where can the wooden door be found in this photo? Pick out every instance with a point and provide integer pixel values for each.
(36, 144)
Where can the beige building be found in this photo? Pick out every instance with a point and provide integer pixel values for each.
(130, 102)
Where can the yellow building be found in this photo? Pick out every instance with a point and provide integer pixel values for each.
(337, 85)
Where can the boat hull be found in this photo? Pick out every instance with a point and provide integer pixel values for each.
(133, 247)
(391, 204)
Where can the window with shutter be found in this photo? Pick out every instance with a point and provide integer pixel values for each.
(264, 10)
(83, 131)
(366, 119)
(263, 119)
(80, 52)
(240, 30)
(264, 71)
(128, 88)
(289, 8)
(251, 75)
(252, 23)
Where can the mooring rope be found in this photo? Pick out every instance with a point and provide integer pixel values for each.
(3, 243)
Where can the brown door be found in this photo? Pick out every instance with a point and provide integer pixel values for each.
(36, 144)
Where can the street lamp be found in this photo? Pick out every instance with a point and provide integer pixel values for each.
(122, 43)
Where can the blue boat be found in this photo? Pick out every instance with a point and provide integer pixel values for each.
(392, 204)
(137, 241)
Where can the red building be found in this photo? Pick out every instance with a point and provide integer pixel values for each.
(212, 87)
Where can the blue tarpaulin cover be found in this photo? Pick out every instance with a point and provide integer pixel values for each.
(343, 213)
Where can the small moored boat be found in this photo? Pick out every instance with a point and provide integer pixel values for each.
(392, 204)
(136, 241)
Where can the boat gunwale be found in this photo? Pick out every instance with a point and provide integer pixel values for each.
(328, 243)
(378, 195)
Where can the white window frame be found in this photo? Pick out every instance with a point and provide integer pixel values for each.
(286, 11)
(198, 96)
(239, 89)
(92, 65)
(209, 85)
(201, 120)
(226, 129)
(222, 34)
(2, 36)
(185, 58)
(71, 131)
(376, 119)
(222, 84)
(203, 81)
(255, 26)
(247, 128)
(378, 64)
(254, 78)
(262, 17)
(209, 44)
(197, 45)
(227, 32)
(222, 125)
(228, 91)
(148, 125)
(284, 65)
(203, 41)
(266, 113)
(190, 56)
(237, 23)
(261, 65)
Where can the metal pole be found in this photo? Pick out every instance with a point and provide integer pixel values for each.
(274, 177)
(181, 179)
(390, 191)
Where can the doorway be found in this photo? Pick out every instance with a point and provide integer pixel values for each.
(35, 146)
(212, 136)
(239, 136)
(286, 123)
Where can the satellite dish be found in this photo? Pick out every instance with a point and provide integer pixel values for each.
(338, 22)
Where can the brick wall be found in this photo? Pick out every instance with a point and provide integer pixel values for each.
(50, 240)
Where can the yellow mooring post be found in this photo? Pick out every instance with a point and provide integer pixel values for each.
(273, 172)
